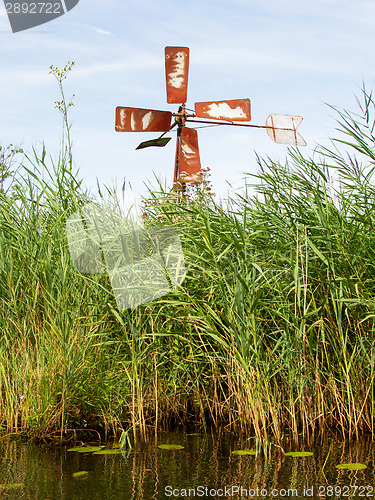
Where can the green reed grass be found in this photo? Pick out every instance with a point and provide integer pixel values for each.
(272, 331)
(279, 291)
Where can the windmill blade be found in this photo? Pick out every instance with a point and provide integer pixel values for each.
(176, 72)
(283, 129)
(159, 142)
(142, 120)
(187, 155)
(234, 110)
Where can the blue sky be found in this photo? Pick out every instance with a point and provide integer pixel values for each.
(288, 57)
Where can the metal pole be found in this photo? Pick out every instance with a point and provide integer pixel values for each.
(178, 142)
(212, 122)
(180, 121)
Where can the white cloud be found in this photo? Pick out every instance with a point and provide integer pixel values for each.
(102, 32)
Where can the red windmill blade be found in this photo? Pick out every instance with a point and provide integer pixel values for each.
(281, 128)
(142, 120)
(177, 73)
(187, 164)
(235, 110)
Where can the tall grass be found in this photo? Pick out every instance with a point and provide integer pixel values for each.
(272, 331)
(279, 294)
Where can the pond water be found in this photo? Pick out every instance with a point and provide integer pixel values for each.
(204, 468)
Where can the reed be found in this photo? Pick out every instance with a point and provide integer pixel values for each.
(279, 290)
(272, 331)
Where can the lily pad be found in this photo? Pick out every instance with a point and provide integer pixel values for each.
(10, 486)
(244, 452)
(80, 473)
(170, 446)
(299, 454)
(351, 466)
(85, 449)
(109, 451)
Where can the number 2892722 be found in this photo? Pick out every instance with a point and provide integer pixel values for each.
(34, 8)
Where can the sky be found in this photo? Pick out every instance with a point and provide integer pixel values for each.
(287, 56)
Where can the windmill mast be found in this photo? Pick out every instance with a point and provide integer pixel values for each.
(180, 120)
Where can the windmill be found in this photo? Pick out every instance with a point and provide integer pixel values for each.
(281, 128)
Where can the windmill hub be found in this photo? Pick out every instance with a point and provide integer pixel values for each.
(281, 128)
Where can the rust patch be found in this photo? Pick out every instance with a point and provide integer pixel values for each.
(142, 120)
(176, 71)
(189, 164)
(233, 110)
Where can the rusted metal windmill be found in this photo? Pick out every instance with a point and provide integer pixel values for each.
(281, 128)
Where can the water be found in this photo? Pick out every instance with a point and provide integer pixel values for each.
(205, 468)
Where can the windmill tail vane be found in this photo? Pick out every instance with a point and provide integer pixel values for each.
(235, 112)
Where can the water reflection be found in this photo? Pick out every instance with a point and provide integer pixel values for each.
(205, 468)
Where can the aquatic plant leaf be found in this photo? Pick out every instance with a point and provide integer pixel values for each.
(109, 451)
(85, 449)
(299, 454)
(80, 473)
(11, 486)
(244, 452)
(170, 446)
(351, 466)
